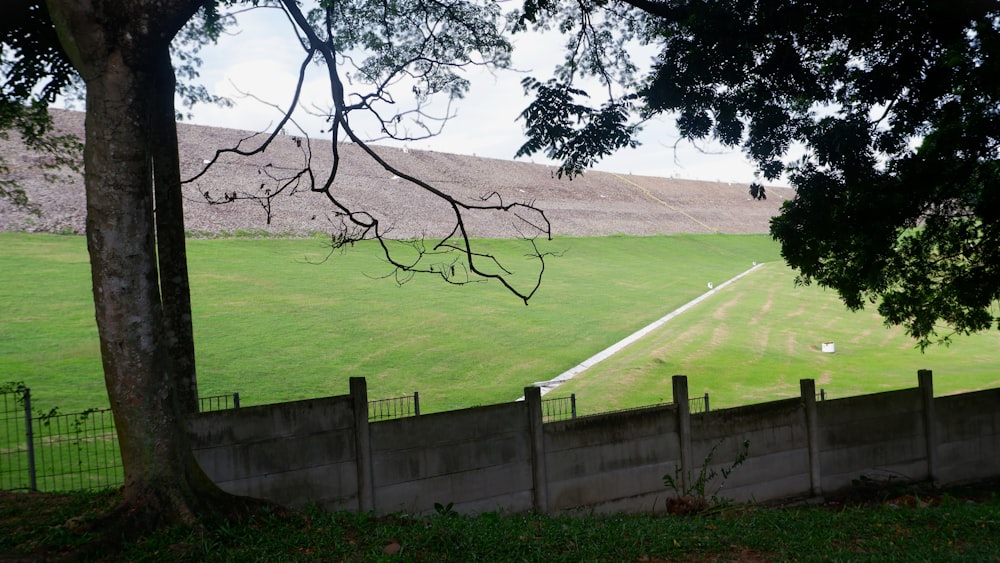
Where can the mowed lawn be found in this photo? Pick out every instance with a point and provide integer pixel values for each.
(755, 339)
(275, 322)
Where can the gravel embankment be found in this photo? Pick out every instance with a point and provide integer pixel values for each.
(595, 204)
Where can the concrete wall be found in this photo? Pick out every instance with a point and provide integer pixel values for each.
(502, 457)
(880, 435)
(778, 462)
(479, 459)
(610, 462)
(291, 453)
(968, 430)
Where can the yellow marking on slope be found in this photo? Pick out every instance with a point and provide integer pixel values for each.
(663, 203)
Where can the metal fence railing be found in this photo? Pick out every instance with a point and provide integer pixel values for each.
(564, 408)
(51, 451)
(73, 452)
(559, 408)
(699, 404)
(219, 402)
(16, 461)
(394, 407)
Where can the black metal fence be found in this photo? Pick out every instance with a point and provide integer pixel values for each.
(394, 407)
(15, 461)
(559, 408)
(219, 402)
(52, 451)
(698, 404)
(72, 452)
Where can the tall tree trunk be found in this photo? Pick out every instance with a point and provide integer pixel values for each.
(175, 290)
(117, 47)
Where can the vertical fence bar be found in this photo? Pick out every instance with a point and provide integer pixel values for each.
(416, 404)
(706, 402)
(572, 404)
(30, 436)
(236, 400)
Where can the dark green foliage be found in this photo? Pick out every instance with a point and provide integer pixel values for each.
(885, 117)
(445, 509)
(33, 71)
(33, 65)
(912, 527)
(576, 134)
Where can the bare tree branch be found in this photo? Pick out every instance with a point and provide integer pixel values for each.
(424, 65)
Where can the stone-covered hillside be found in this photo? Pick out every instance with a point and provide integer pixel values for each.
(597, 203)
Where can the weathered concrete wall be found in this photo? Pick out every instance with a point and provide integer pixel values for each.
(291, 453)
(479, 459)
(968, 430)
(502, 457)
(880, 435)
(611, 461)
(778, 462)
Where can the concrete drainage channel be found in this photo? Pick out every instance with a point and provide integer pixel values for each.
(551, 384)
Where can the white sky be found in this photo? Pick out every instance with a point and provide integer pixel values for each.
(263, 59)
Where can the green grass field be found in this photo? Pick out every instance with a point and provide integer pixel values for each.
(755, 339)
(275, 325)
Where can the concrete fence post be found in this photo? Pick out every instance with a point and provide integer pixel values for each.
(363, 445)
(807, 388)
(539, 475)
(925, 379)
(683, 405)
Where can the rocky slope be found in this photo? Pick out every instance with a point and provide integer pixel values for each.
(597, 203)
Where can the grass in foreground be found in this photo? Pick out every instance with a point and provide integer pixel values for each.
(960, 525)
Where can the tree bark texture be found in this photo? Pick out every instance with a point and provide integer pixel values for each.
(120, 48)
(175, 290)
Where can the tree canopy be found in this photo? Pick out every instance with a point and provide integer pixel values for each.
(884, 117)
(33, 72)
